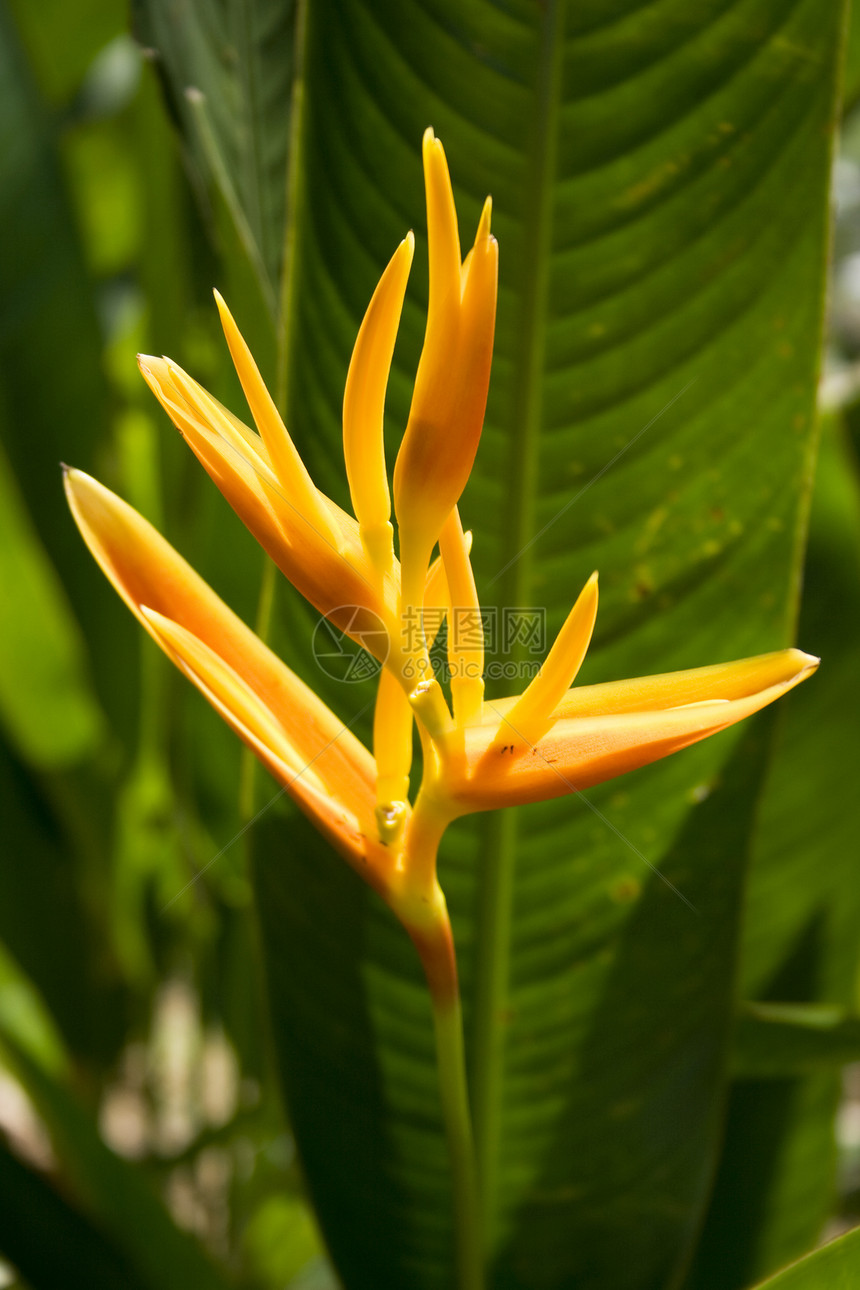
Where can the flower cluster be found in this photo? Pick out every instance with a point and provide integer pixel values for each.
(552, 739)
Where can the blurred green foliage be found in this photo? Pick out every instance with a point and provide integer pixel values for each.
(660, 175)
(107, 818)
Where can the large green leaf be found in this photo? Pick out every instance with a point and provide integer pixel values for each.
(349, 997)
(804, 859)
(659, 176)
(229, 66)
(834, 1267)
(800, 938)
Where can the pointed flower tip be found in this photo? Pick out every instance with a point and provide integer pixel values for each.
(806, 663)
(74, 480)
(589, 595)
(228, 322)
(434, 158)
(155, 371)
(533, 713)
(404, 254)
(484, 222)
(428, 137)
(78, 486)
(781, 670)
(92, 507)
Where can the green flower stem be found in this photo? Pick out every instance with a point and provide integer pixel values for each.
(451, 1064)
(425, 915)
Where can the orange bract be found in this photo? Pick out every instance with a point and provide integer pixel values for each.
(600, 731)
(328, 772)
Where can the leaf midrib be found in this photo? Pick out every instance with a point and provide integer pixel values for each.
(499, 833)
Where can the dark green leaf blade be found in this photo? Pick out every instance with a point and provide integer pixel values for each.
(48, 1241)
(228, 66)
(660, 192)
(802, 911)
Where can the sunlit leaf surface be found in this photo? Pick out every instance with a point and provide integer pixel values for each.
(658, 187)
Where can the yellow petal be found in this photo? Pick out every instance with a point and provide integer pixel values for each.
(393, 716)
(392, 740)
(148, 572)
(447, 411)
(241, 709)
(448, 405)
(179, 394)
(442, 235)
(465, 627)
(535, 710)
(232, 450)
(241, 706)
(190, 407)
(288, 465)
(606, 730)
(481, 237)
(332, 576)
(437, 599)
(475, 354)
(738, 680)
(364, 404)
(448, 402)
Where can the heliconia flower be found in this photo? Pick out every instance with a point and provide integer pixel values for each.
(478, 754)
